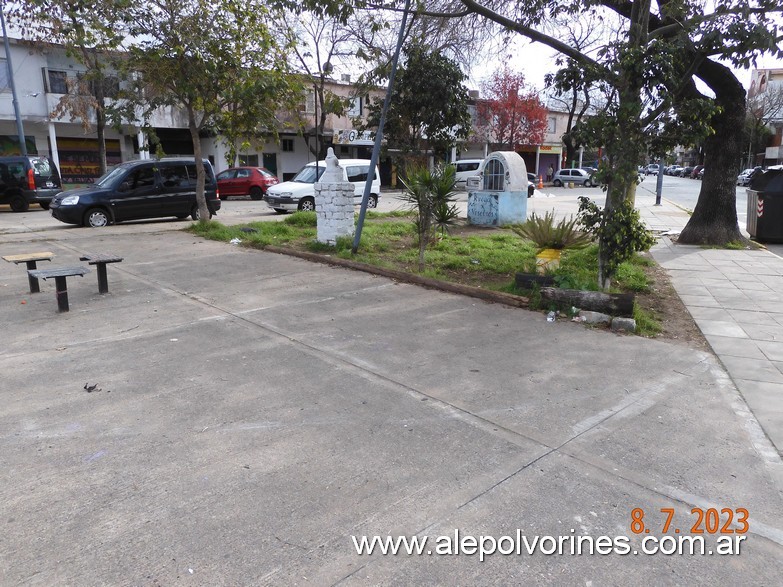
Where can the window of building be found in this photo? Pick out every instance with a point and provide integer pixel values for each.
(287, 145)
(355, 108)
(494, 176)
(57, 82)
(551, 127)
(249, 160)
(3, 74)
(309, 105)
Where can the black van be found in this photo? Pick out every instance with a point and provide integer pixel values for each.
(28, 180)
(136, 190)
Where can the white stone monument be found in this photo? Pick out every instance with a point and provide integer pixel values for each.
(333, 203)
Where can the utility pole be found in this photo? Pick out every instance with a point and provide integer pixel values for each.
(19, 125)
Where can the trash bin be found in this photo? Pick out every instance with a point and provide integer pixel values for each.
(765, 206)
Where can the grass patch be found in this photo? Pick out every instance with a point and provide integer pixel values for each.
(646, 323)
(487, 258)
(267, 233)
(301, 218)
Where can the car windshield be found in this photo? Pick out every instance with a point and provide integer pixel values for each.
(109, 178)
(307, 174)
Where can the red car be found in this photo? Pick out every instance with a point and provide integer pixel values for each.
(243, 181)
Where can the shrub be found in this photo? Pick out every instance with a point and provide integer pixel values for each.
(543, 231)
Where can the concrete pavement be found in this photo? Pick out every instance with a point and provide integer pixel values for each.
(257, 411)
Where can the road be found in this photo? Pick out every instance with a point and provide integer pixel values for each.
(685, 192)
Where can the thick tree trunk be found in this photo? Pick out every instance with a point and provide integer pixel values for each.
(714, 220)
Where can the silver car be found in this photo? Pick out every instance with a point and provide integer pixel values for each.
(577, 176)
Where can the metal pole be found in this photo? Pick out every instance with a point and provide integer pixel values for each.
(659, 183)
(19, 126)
(376, 150)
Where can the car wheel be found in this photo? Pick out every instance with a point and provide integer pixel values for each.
(256, 193)
(557, 183)
(307, 204)
(195, 215)
(44, 205)
(182, 216)
(372, 201)
(96, 218)
(19, 203)
(280, 210)
(588, 183)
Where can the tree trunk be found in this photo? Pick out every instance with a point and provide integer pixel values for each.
(100, 124)
(714, 220)
(201, 200)
(594, 301)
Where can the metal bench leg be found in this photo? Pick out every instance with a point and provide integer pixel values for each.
(103, 282)
(34, 288)
(62, 293)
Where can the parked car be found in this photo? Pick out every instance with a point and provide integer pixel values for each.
(299, 194)
(700, 174)
(28, 180)
(243, 181)
(652, 169)
(694, 174)
(138, 189)
(743, 178)
(686, 172)
(464, 169)
(578, 176)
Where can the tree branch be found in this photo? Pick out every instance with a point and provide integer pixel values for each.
(534, 35)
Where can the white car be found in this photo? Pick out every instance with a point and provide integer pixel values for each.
(463, 169)
(299, 193)
(743, 178)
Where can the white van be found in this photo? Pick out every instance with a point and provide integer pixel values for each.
(299, 194)
(465, 168)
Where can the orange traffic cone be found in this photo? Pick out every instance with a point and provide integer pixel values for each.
(540, 183)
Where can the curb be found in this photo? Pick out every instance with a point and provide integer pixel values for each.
(465, 290)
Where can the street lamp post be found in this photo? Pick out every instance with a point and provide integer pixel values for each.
(19, 125)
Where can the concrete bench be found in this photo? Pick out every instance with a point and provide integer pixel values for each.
(100, 260)
(60, 274)
(30, 259)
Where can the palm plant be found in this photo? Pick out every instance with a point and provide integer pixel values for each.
(543, 231)
(431, 195)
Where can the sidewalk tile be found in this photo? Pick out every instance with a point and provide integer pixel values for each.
(773, 332)
(721, 328)
(735, 347)
(750, 317)
(704, 301)
(758, 370)
(772, 350)
(703, 313)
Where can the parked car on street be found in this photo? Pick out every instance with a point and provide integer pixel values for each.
(244, 181)
(685, 172)
(138, 189)
(577, 176)
(672, 170)
(464, 169)
(743, 178)
(694, 174)
(28, 180)
(299, 193)
(652, 169)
